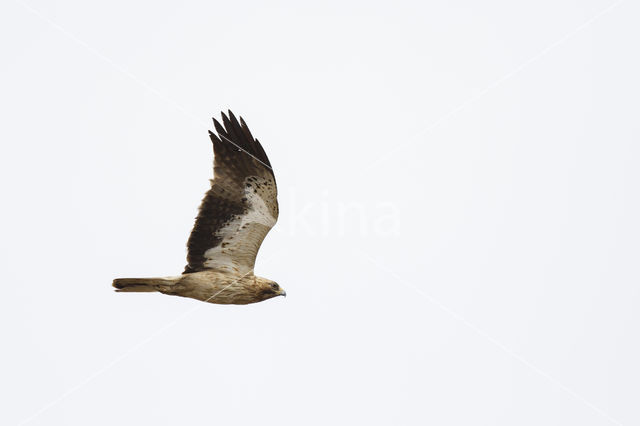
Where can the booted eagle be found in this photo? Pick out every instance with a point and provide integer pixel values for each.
(235, 216)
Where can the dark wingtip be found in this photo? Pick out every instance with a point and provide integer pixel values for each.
(219, 128)
(237, 129)
(214, 137)
(237, 133)
(225, 119)
(227, 125)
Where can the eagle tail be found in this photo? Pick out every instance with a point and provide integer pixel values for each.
(141, 285)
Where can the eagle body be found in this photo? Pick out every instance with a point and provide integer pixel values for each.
(234, 218)
(208, 286)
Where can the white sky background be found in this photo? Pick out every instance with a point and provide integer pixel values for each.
(458, 237)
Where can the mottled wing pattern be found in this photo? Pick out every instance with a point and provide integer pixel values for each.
(241, 206)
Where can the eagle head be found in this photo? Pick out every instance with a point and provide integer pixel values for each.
(269, 289)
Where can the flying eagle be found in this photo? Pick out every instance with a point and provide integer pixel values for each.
(235, 216)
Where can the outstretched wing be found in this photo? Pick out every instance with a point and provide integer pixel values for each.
(241, 206)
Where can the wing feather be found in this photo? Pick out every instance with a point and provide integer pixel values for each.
(240, 208)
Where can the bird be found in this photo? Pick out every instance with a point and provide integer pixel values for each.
(234, 217)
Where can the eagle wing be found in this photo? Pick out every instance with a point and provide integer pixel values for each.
(241, 206)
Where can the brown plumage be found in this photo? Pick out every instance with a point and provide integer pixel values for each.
(235, 216)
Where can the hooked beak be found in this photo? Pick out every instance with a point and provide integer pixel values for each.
(283, 293)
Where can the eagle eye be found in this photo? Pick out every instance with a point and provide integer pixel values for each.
(274, 286)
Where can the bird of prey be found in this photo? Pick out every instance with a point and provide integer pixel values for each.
(235, 216)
